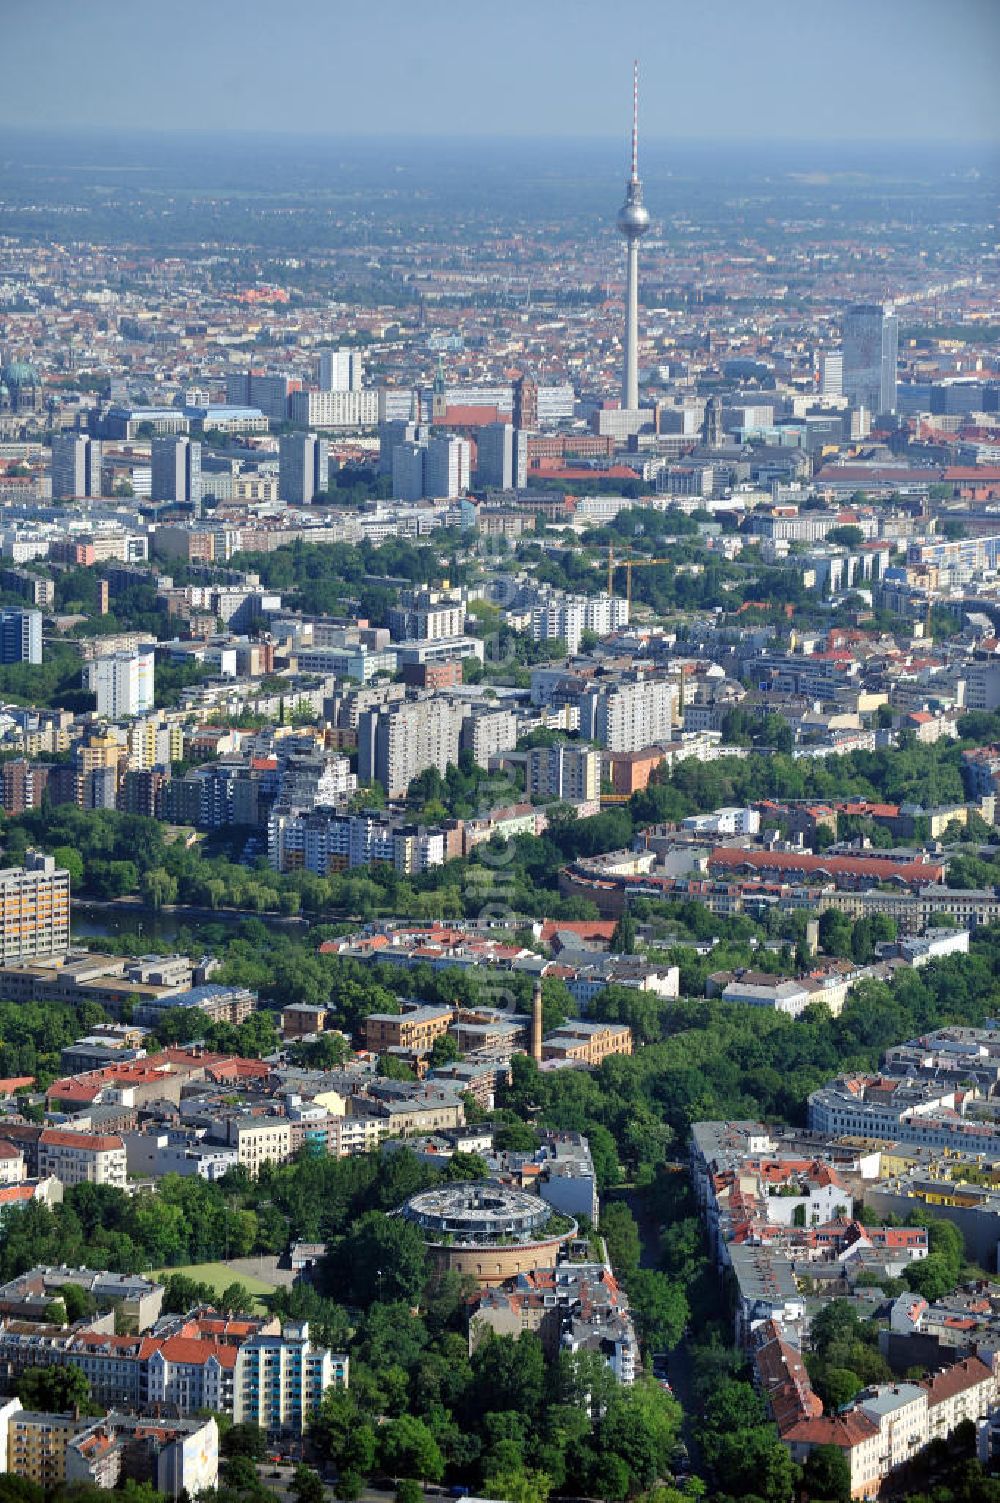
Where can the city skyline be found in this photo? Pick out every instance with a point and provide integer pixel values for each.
(500, 752)
(789, 77)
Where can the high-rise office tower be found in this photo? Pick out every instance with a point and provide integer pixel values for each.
(76, 466)
(254, 389)
(871, 346)
(408, 471)
(303, 467)
(176, 469)
(495, 456)
(831, 374)
(446, 468)
(340, 370)
(20, 636)
(633, 222)
(395, 431)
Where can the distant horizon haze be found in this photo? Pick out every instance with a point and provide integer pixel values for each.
(787, 72)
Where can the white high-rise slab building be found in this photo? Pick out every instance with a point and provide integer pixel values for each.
(123, 683)
(340, 370)
(831, 373)
(569, 616)
(629, 715)
(349, 408)
(447, 467)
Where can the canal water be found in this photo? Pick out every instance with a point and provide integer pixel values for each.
(96, 921)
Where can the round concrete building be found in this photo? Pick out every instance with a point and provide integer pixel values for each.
(487, 1230)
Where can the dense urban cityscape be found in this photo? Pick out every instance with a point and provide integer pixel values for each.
(499, 790)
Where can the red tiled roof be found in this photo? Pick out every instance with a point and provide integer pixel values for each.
(842, 1430)
(469, 417)
(968, 1373)
(601, 929)
(873, 811)
(15, 1194)
(878, 868)
(92, 1142)
(192, 1353)
(239, 1069)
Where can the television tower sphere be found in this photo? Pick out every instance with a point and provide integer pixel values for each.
(633, 216)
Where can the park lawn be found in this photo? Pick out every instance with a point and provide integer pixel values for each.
(220, 1276)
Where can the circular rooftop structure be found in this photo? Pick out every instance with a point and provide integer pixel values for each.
(488, 1230)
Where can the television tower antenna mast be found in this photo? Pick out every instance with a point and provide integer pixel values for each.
(633, 223)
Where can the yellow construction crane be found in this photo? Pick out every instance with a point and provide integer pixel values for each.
(628, 564)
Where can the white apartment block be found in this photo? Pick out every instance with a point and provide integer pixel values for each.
(334, 409)
(321, 841)
(34, 909)
(447, 467)
(427, 622)
(122, 682)
(730, 821)
(281, 1379)
(487, 734)
(788, 524)
(982, 686)
(260, 1141)
(628, 716)
(569, 616)
(81, 1158)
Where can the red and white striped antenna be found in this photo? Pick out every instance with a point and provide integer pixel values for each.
(635, 120)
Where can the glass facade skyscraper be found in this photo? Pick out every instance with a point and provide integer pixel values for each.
(871, 348)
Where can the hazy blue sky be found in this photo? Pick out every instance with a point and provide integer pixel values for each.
(784, 69)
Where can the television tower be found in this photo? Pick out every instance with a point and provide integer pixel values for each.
(633, 222)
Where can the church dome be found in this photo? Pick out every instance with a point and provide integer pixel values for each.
(19, 373)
